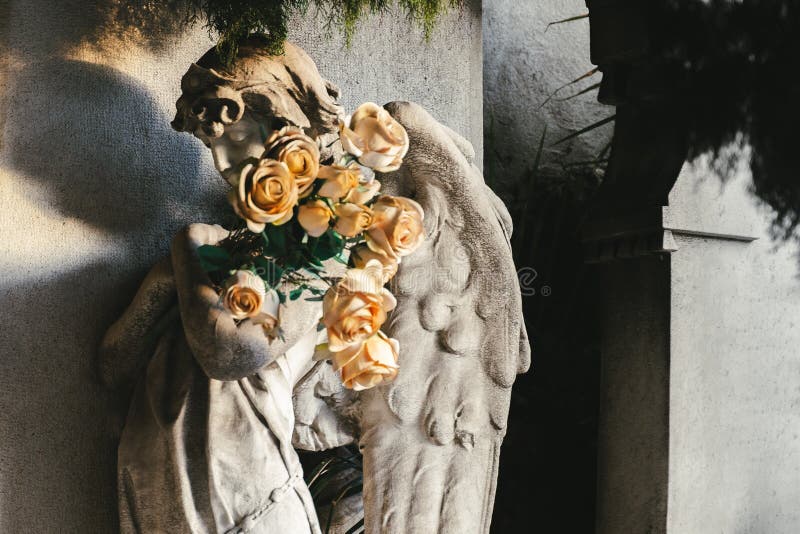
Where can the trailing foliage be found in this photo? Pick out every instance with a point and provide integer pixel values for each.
(337, 475)
(730, 66)
(735, 62)
(233, 20)
(547, 203)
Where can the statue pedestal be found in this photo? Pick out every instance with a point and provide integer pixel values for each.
(699, 392)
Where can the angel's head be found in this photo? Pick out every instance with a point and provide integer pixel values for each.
(232, 108)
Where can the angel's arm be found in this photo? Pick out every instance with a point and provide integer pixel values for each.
(225, 349)
(130, 340)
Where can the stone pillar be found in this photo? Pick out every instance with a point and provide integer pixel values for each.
(700, 382)
(633, 425)
(633, 421)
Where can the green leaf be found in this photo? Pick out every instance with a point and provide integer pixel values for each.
(330, 244)
(268, 270)
(588, 74)
(579, 93)
(294, 294)
(587, 129)
(319, 469)
(314, 299)
(213, 258)
(358, 527)
(315, 265)
(281, 296)
(311, 245)
(570, 19)
(310, 269)
(295, 261)
(275, 240)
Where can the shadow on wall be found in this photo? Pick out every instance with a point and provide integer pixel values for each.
(99, 149)
(82, 142)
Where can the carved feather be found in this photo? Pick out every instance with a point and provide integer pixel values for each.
(431, 440)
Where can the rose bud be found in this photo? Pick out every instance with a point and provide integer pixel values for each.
(314, 217)
(373, 136)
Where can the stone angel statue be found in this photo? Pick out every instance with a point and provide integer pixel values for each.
(217, 409)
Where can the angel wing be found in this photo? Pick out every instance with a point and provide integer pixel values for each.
(431, 440)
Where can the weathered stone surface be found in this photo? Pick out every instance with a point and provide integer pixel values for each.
(435, 432)
(94, 184)
(734, 458)
(524, 64)
(215, 401)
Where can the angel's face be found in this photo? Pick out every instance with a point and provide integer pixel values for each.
(240, 141)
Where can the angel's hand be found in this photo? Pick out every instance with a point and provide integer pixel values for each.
(224, 348)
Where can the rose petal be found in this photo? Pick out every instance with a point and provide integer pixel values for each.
(314, 217)
(255, 227)
(351, 219)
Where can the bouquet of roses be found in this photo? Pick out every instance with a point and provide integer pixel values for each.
(296, 213)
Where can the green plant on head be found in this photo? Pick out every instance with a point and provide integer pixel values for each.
(234, 20)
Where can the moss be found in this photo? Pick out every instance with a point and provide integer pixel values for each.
(233, 20)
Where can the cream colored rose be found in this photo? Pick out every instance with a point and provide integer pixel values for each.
(396, 228)
(246, 297)
(362, 254)
(314, 217)
(300, 154)
(351, 219)
(363, 193)
(374, 137)
(339, 181)
(370, 363)
(266, 193)
(356, 307)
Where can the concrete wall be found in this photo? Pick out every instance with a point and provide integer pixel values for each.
(524, 64)
(93, 185)
(633, 435)
(735, 365)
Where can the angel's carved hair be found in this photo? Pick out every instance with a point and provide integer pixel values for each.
(282, 90)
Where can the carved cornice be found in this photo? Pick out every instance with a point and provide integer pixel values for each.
(641, 233)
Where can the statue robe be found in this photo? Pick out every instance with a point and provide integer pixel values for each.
(200, 455)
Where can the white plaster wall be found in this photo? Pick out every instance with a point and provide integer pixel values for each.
(93, 184)
(735, 366)
(524, 63)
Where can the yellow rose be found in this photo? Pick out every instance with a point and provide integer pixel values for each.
(351, 219)
(396, 228)
(371, 363)
(246, 297)
(374, 137)
(339, 180)
(356, 307)
(314, 217)
(300, 154)
(363, 193)
(362, 254)
(266, 193)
